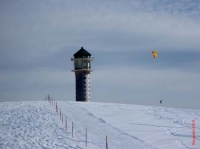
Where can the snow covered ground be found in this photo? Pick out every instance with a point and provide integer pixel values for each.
(36, 125)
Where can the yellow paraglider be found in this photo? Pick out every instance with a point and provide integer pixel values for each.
(155, 54)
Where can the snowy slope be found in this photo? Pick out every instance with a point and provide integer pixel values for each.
(36, 125)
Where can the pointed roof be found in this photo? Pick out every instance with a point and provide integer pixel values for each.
(82, 52)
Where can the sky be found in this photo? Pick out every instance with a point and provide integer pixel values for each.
(38, 39)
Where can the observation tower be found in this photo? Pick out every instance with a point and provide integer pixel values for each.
(82, 68)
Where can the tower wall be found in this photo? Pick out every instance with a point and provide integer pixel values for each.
(82, 86)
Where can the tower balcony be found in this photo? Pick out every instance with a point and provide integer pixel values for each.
(82, 69)
(83, 58)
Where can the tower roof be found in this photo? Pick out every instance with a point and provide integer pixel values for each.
(82, 52)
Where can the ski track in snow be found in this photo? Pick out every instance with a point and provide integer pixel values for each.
(36, 125)
(99, 128)
(31, 125)
(176, 132)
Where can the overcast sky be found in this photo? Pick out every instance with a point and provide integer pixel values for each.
(39, 37)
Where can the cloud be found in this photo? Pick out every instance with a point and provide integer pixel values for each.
(140, 85)
(149, 78)
(140, 24)
(36, 84)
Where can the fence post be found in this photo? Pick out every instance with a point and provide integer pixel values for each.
(86, 136)
(106, 142)
(62, 118)
(48, 98)
(72, 129)
(60, 114)
(66, 123)
(56, 108)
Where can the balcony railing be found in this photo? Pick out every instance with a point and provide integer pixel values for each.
(83, 69)
(86, 58)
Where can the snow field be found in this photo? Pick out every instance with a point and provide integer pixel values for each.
(98, 129)
(157, 126)
(36, 125)
(32, 125)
